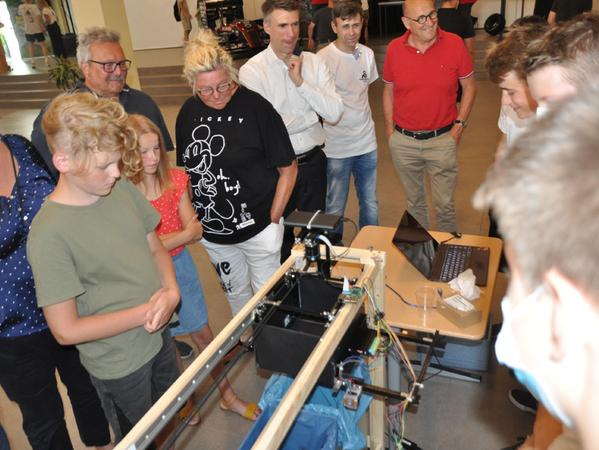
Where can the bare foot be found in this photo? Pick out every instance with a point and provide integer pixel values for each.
(249, 411)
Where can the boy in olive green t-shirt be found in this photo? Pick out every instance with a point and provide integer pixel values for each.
(103, 278)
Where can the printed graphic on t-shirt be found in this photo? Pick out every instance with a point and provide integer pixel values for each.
(211, 184)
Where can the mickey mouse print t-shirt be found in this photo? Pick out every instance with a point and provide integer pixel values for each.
(231, 156)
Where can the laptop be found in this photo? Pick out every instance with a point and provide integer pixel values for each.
(439, 261)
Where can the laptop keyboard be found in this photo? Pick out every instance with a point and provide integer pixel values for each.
(454, 262)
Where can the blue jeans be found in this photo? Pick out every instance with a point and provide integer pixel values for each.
(192, 311)
(363, 168)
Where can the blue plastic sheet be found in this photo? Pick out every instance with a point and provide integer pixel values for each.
(323, 423)
(313, 429)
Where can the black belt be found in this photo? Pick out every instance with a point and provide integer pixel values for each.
(307, 156)
(425, 134)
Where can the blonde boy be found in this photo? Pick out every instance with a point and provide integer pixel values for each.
(103, 279)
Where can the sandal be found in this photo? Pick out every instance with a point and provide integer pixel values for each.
(249, 413)
(186, 411)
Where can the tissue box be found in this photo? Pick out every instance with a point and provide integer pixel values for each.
(458, 317)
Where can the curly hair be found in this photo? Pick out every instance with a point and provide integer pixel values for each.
(81, 124)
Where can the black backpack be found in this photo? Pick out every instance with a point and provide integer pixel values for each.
(176, 12)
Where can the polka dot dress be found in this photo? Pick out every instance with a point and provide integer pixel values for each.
(19, 314)
(168, 207)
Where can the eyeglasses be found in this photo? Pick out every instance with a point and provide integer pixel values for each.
(207, 91)
(111, 66)
(422, 19)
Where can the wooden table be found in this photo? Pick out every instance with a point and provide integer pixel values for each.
(405, 279)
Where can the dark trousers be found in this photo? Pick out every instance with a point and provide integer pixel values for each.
(465, 9)
(127, 399)
(56, 39)
(4, 445)
(27, 375)
(494, 232)
(542, 8)
(309, 194)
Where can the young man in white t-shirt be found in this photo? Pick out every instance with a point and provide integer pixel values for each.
(517, 104)
(350, 144)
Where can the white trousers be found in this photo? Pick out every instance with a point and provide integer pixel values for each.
(243, 268)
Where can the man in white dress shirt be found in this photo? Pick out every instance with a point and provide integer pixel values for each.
(302, 91)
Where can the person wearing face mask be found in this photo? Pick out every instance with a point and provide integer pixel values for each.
(556, 65)
(104, 68)
(550, 332)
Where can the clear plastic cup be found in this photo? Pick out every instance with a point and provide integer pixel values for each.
(427, 297)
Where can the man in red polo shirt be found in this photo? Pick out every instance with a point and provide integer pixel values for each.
(422, 121)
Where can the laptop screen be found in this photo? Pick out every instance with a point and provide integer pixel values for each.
(417, 245)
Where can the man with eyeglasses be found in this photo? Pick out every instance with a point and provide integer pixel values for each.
(302, 91)
(422, 121)
(104, 68)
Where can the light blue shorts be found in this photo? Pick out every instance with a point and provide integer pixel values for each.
(192, 312)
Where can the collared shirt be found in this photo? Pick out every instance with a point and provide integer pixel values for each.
(300, 107)
(425, 83)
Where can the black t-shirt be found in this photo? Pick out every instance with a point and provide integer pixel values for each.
(323, 32)
(567, 9)
(452, 21)
(231, 157)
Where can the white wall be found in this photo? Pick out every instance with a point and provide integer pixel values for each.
(152, 24)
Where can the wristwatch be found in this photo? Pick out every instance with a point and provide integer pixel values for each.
(463, 123)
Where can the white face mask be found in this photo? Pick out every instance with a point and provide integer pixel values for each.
(534, 375)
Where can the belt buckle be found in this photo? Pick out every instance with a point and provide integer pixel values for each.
(418, 134)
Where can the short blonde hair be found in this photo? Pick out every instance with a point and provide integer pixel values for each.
(81, 124)
(133, 169)
(204, 54)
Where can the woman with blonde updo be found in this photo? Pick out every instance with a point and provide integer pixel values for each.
(242, 169)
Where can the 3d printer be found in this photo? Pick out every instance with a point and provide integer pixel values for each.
(304, 322)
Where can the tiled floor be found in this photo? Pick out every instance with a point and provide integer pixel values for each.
(453, 414)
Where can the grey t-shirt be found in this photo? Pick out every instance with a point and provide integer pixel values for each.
(99, 255)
